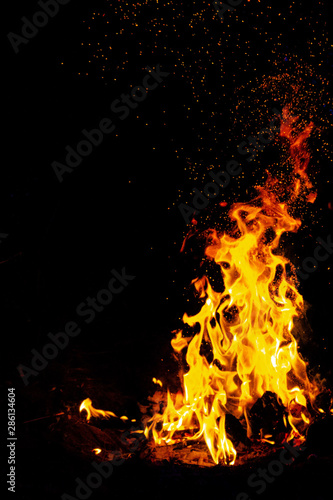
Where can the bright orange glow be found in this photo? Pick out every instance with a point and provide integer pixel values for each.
(158, 382)
(248, 327)
(92, 412)
(97, 451)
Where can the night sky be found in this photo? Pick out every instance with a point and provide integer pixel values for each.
(221, 78)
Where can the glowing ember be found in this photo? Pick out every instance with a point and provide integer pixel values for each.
(158, 382)
(247, 327)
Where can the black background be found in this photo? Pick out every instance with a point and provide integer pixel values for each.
(115, 210)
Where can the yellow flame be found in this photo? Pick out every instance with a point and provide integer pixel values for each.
(93, 412)
(247, 327)
(158, 382)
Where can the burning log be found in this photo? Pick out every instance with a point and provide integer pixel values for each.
(268, 417)
(244, 361)
(244, 385)
(101, 434)
(320, 437)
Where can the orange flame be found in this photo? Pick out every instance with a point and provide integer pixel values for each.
(248, 327)
(92, 412)
(299, 153)
(157, 381)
